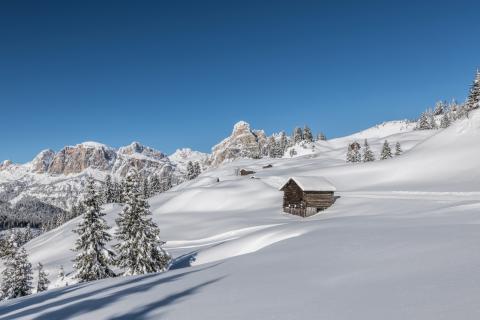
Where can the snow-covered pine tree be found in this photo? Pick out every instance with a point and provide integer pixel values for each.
(440, 108)
(108, 192)
(277, 150)
(155, 185)
(271, 147)
(9, 245)
(297, 135)
(17, 276)
(368, 155)
(42, 282)
(190, 171)
(431, 120)
(121, 191)
(386, 151)
(321, 137)
(398, 149)
(350, 157)
(292, 152)
(166, 183)
(61, 273)
(423, 122)
(307, 134)
(282, 144)
(445, 121)
(461, 112)
(473, 100)
(353, 152)
(146, 187)
(93, 258)
(140, 248)
(197, 169)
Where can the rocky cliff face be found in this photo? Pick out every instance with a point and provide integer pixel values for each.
(59, 178)
(76, 159)
(242, 143)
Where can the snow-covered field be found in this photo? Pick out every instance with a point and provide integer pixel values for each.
(400, 242)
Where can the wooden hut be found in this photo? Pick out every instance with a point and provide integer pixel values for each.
(305, 196)
(245, 172)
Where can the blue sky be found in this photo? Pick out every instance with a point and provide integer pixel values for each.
(180, 73)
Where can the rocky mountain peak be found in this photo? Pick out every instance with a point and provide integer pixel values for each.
(138, 148)
(75, 159)
(242, 143)
(42, 161)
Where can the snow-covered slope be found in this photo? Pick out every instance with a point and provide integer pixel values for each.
(399, 243)
(181, 157)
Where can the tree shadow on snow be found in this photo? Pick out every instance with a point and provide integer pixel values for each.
(142, 313)
(184, 261)
(93, 303)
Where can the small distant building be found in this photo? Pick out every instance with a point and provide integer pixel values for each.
(305, 196)
(245, 172)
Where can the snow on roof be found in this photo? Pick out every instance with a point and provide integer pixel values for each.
(312, 183)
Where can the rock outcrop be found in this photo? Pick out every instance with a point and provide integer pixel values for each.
(242, 143)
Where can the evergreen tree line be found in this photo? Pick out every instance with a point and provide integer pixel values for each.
(16, 278)
(355, 154)
(277, 145)
(444, 114)
(26, 212)
(193, 170)
(138, 249)
(18, 236)
(111, 192)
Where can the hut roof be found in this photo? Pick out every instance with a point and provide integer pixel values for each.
(311, 183)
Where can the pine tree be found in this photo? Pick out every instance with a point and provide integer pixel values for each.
(155, 185)
(461, 112)
(146, 187)
(473, 100)
(297, 135)
(93, 258)
(431, 120)
(368, 155)
(440, 108)
(445, 122)
(353, 152)
(307, 134)
(121, 191)
(61, 273)
(321, 137)
(197, 169)
(166, 182)
(9, 245)
(17, 276)
(423, 122)
(282, 144)
(140, 248)
(190, 170)
(271, 144)
(386, 151)
(398, 149)
(108, 190)
(43, 281)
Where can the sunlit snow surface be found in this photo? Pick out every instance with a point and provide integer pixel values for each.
(400, 242)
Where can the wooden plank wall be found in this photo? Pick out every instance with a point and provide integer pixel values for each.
(318, 199)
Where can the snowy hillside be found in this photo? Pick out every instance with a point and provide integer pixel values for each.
(400, 242)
